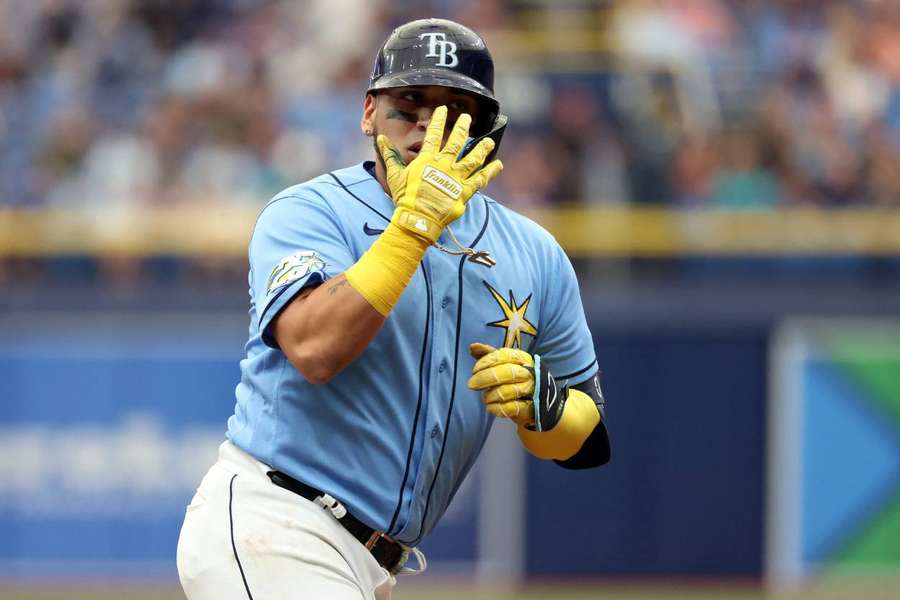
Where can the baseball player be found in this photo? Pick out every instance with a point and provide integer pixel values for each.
(395, 311)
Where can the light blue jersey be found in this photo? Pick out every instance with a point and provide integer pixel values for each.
(394, 434)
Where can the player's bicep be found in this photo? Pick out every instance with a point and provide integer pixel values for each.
(297, 244)
(564, 341)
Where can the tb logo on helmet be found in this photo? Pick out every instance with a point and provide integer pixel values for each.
(441, 48)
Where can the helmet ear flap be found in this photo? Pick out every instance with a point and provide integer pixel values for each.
(495, 132)
(488, 113)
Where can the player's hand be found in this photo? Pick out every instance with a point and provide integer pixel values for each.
(432, 191)
(505, 378)
(515, 385)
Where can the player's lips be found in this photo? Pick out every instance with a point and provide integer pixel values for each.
(414, 148)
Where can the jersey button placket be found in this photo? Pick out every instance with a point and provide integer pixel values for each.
(445, 289)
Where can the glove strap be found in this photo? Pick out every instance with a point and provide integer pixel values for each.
(417, 224)
(548, 399)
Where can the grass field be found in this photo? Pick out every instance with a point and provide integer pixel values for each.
(873, 590)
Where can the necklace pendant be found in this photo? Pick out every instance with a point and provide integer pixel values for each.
(483, 258)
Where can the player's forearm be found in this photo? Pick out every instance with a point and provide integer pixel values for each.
(326, 330)
(579, 418)
(386, 268)
(594, 452)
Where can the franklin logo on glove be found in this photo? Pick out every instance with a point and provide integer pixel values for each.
(443, 182)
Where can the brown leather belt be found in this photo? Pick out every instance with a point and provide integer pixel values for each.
(389, 553)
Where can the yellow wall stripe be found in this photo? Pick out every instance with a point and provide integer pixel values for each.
(597, 232)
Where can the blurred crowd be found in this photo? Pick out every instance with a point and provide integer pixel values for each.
(750, 103)
(733, 104)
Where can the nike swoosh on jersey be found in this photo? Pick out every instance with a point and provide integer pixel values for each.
(370, 231)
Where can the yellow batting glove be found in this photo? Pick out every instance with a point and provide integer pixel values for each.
(505, 378)
(553, 422)
(432, 191)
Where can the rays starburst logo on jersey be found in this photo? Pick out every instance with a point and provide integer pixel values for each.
(293, 267)
(514, 320)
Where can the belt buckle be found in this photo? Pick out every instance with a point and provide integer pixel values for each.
(377, 535)
(397, 555)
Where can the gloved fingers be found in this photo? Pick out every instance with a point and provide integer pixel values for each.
(503, 355)
(393, 164)
(508, 392)
(472, 161)
(434, 135)
(477, 350)
(517, 410)
(479, 180)
(499, 375)
(458, 136)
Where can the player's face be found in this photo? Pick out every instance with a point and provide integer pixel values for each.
(402, 114)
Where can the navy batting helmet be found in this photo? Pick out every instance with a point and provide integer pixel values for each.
(444, 53)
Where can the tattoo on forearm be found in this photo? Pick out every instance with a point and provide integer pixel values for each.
(332, 290)
(402, 115)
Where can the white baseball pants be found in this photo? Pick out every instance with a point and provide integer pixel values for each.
(244, 538)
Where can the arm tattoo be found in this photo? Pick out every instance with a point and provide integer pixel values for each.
(332, 290)
(402, 115)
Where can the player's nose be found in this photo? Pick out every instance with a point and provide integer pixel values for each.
(423, 117)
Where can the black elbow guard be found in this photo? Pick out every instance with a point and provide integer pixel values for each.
(596, 448)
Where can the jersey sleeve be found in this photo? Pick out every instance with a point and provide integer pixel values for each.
(297, 242)
(564, 341)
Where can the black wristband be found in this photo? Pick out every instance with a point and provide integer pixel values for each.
(549, 399)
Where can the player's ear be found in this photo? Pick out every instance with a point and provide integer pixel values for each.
(367, 122)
